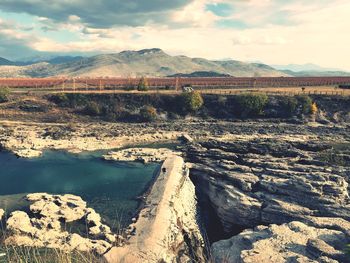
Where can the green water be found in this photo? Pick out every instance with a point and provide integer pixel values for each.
(111, 188)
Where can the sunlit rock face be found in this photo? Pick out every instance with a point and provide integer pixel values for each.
(263, 181)
(292, 242)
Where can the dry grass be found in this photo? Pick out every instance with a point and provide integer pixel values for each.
(44, 255)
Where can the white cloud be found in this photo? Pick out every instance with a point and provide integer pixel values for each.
(319, 34)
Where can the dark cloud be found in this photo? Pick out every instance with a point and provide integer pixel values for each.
(99, 14)
(13, 48)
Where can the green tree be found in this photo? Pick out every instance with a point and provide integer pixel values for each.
(143, 85)
(191, 101)
(4, 94)
(148, 113)
(250, 105)
(305, 104)
(289, 105)
(60, 99)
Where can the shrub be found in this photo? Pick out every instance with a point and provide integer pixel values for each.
(148, 113)
(4, 94)
(191, 101)
(305, 104)
(250, 104)
(314, 108)
(59, 98)
(92, 109)
(289, 106)
(143, 85)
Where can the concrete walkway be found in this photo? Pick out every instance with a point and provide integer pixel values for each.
(156, 222)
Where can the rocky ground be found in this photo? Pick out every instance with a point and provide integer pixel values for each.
(255, 181)
(284, 184)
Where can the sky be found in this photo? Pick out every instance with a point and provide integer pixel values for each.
(269, 31)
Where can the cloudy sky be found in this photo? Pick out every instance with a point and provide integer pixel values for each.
(270, 31)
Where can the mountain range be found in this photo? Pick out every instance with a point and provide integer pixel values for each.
(147, 62)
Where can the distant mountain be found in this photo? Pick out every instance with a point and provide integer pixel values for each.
(309, 67)
(317, 73)
(5, 62)
(48, 59)
(147, 62)
(200, 74)
(64, 59)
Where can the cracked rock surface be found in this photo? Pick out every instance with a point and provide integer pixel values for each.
(263, 181)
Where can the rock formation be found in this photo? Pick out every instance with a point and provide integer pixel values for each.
(273, 181)
(2, 213)
(292, 242)
(144, 155)
(45, 227)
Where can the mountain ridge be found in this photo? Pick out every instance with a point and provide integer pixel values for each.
(153, 62)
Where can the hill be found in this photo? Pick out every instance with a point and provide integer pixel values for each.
(200, 74)
(147, 62)
(313, 73)
(5, 62)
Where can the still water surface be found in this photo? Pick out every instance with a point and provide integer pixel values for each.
(111, 188)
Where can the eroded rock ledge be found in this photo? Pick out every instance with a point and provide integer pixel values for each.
(144, 155)
(266, 181)
(166, 230)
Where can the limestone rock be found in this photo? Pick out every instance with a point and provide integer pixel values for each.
(67, 207)
(263, 181)
(19, 222)
(144, 155)
(292, 242)
(2, 213)
(44, 228)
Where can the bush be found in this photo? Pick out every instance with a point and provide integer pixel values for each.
(305, 104)
(148, 113)
(289, 106)
(4, 95)
(143, 85)
(92, 109)
(59, 98)
(251, 105)
(191, 102)
(314, 108)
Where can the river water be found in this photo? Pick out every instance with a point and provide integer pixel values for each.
(111, 188)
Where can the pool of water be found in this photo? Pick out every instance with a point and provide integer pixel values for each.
(111, 188)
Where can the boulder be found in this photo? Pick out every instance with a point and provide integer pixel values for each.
(44, 228)
(67, 207)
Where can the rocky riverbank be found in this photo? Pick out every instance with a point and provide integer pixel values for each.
(285, 185)
(46, 225)
(266, 180)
